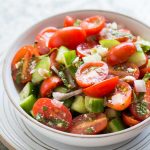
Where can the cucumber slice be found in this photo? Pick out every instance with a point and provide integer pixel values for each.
(115, 125)
(42, 70)
(79, 104)
(109, 43)
(60, 54)
(111, 113)
(148, 64)
(92, 58)
(61, 89)
(95, 105)
(138, 58)
(28, 103)
(27, 90)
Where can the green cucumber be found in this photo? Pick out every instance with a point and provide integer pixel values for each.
(79, 104)
(68, 102)
(148, 64)
(92, 58)
(43, 66)
(61, 89)
(69, 57)
(138, 58)
(27, 90)
(94, 105)
(115, 125)
(60, 54)
(28, 103)
(109, 43)
(111, 113)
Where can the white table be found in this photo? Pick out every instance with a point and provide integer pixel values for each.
(18, 15)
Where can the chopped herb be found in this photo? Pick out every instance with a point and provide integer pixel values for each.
(40, 117)
(89, 130)
(58, 122)
(45, 108)
(77, 22)
(142, 108)
(146, 77)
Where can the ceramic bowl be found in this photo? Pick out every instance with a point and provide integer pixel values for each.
(27, 37)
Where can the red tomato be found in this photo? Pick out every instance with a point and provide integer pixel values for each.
(125, 69)
(91, 73)
(89, 124)
(144, 71)
(102, 88)
(69, 21)
(48, 85)
(129, 120)
(83, 49)
(120, 53)
(123, 38)
(53, 59)
(42, 39)
(68, 36)
(120, 99)
(93, 25)
(52, 114)
(26, 54)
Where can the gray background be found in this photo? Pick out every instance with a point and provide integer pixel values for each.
(18, 15)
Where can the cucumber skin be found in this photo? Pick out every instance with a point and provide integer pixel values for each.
(94, 105)
(79, 104)
(44, 63)
(27, 90)
(28, 103)
(111, 113)
(108, 43)
(138, 58)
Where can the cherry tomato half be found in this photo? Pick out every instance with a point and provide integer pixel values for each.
(102, 88)
(93, 25)
(42, 39)
(68, 21)
(125, 69)
(52, 114)
(91, 73)
(48, 85)
(120, 53)
(129, 120)
(143, 71)
(89, 124)
(68, 36)
(120, 99)
(83, 49)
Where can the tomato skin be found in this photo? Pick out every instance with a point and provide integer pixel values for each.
(102, 88)
(120, 53)
(124, 38)
(42, 39)
(48, 85)
(52, 111)
(125, 90)
(96, 122)
(85, 77)
(68, 21)
(93, 25)
(68, 36)
(143, 71)
(122, 72)
(53, 59)
(129, 120)
(83, 49)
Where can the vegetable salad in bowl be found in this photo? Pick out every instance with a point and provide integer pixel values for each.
(89, 77)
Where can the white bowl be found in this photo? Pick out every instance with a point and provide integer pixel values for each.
(72, 139)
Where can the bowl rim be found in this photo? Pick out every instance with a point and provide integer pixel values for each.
(35, 122)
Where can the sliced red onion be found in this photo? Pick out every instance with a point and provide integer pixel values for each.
(63, 96)
(140, 86)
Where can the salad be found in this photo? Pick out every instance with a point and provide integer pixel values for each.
(91, 76)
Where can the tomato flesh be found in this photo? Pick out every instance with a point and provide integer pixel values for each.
(42, 39)
(91, 73)
(102, 88)
(48, 85)
(89, 124)
(129, 120)
(125, 69)
(51, 114)
(120, 99)
(120, 53)
(68, 36)
(83, 49)
(93, 25)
